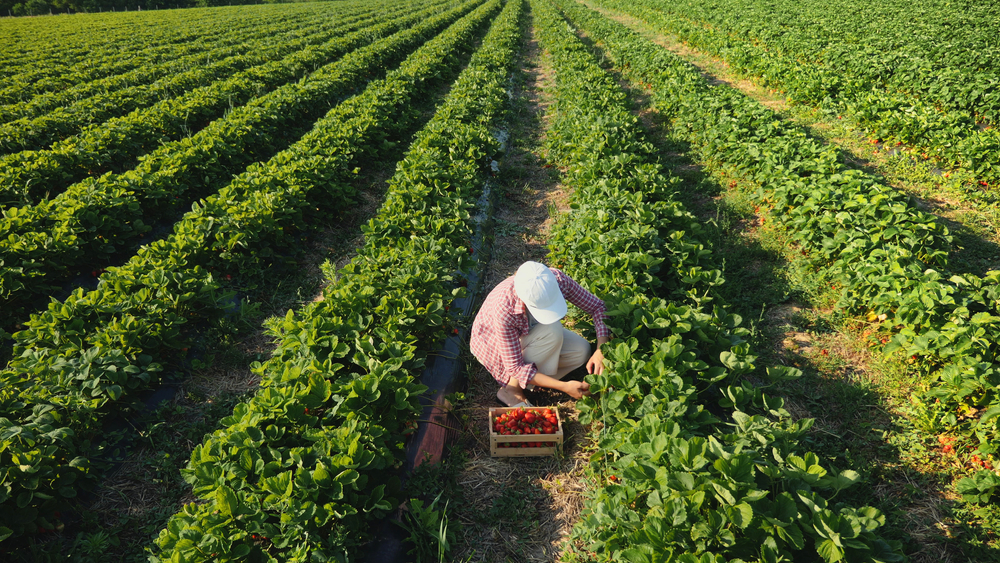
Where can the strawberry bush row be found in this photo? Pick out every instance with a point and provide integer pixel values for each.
(87, 355)
(680, 479)
(898, 93)
(98, 52)
(64, 41)
(890, 258)
(302, 470)
(178, 59)
(231, 230)
(939, 52)
(56, 116)
(143, 49)
(34, 44)
(115, 145)
(99, 217)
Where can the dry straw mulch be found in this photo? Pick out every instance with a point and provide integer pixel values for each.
(520, 509)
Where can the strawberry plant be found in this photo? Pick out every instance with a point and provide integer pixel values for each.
(979, 488)
(114, 145)
(56, 116)
(890, 258)
(179, 59)
(865, 61)
(339, 393)
(674, 478)
(40, 63)
(139, 311)
(98, 218)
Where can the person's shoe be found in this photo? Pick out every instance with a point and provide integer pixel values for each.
(512, 401)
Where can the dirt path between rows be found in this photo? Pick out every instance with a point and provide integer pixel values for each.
(520, 509)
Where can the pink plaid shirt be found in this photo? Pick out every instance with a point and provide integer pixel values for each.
(503, 320)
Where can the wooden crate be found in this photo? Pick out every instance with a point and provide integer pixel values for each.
(496, 439)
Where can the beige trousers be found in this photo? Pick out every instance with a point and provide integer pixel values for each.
(554, 350)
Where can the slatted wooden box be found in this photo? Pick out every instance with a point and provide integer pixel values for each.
(498, 442)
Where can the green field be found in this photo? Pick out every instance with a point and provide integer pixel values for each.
(231, 240)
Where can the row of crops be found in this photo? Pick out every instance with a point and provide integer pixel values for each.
(136, 191)
(42, 56)
(919, 74)
(682, 480)
(98, 219)
(340, 391)
(307, 463)
(891, 258)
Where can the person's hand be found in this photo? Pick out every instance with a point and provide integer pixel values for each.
(596, 362)
(577, 389)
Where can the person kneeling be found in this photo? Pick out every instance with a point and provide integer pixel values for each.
(517, 334)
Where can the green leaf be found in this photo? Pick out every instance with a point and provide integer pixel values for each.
(79, 461)
(347, 476)
(829, 551)
(826, 525)
(226, 501)
(321, 476)
(844, 479)
(792, 535)
(741, 515)
(114, 391)
(24, 499)
(320, 390)
(723, 493)
(279, 485)
(782, 373)
(677, 512)
(246, 460)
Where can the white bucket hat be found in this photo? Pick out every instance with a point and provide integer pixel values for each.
(536, 285)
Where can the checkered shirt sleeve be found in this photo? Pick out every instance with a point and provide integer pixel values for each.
(585, 300)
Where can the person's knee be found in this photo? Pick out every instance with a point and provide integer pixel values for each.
(542, 347)
(544, 336)
(576, 349)
(554, 330)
